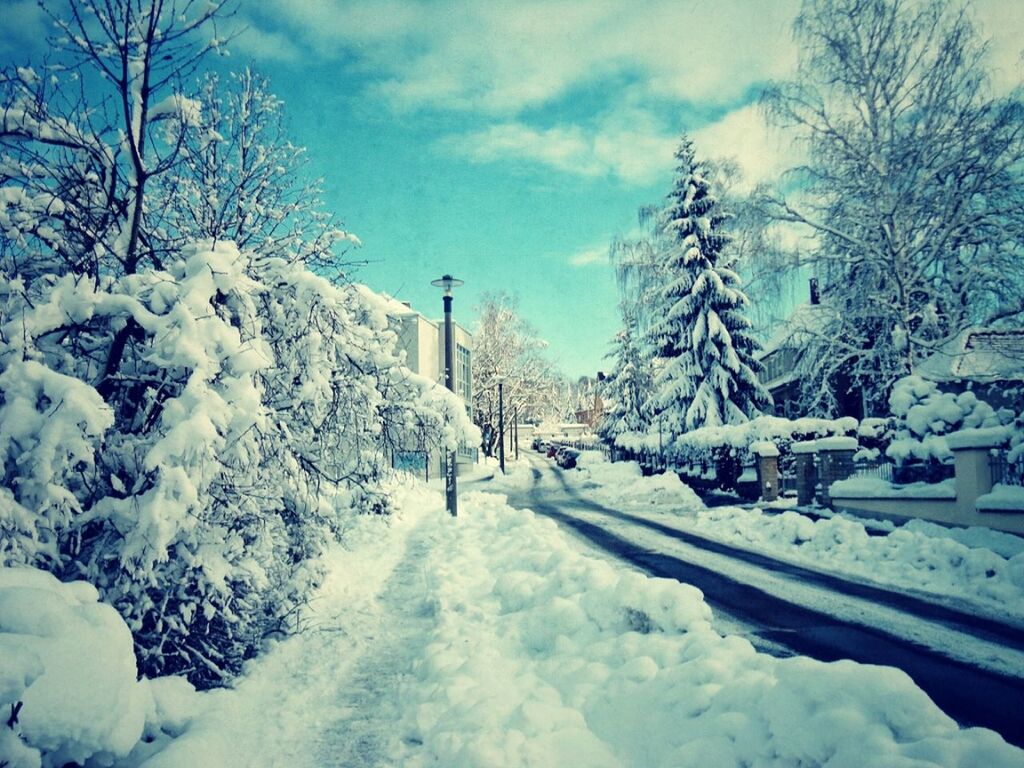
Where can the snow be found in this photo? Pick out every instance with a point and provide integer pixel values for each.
(1002, 498)
(877, 488)
(805, 446)
(71, 711)
(837, 444)
(978, 566)
(981, 437)
(765, 448)
(491, 639)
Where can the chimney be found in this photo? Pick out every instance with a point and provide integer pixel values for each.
(815, 294)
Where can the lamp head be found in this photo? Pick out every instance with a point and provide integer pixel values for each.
(447, 282)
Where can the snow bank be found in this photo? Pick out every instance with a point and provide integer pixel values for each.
(1002, 498)
(544, 656)
(878, 488)
(622, 482)
(69, 659)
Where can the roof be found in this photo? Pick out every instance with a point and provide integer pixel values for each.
(979, 354)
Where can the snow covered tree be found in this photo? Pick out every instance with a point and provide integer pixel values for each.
(912, 185)
(507, 349)
(709, 374)
(627, 388)
(184, 421)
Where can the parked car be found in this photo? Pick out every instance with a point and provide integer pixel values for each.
(552, 450)
(567, 457)
(537, 444)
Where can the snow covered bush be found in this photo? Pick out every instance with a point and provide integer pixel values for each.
(187, 410)
(924, 416)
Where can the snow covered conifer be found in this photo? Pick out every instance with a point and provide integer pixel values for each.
(709, 374)
(627, 388)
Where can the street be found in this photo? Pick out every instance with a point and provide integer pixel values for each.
(785, 609)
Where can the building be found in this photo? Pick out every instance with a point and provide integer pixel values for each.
(987, 361)
(422, 342)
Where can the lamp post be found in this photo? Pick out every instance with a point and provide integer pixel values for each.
(501, 425)
(447, 282)
(515, 431)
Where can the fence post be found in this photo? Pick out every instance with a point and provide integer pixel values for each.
(835, 462)
(972, 464)
(806, 473)
(767, 468)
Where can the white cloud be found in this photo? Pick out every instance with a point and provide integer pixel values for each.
(763, 152)
(632, 149)
(597, 254)
(500, 58)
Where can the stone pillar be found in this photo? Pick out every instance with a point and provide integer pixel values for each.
(835, 462)
(972, 463)
(767, 468)
(806, 471)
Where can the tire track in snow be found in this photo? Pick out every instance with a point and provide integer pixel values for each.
(797, 615)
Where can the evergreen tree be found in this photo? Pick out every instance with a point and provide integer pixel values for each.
(627, 388)
(708, 373)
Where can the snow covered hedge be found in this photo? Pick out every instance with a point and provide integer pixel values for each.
(726, 448)
(924, 416)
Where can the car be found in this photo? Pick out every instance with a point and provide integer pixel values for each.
(537, 444)
(567, 457)
(552, 450)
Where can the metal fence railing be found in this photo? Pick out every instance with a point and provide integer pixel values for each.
(879, 469)
(1006, 472)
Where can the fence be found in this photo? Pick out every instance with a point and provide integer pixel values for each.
(873, 468)
(1006, 472)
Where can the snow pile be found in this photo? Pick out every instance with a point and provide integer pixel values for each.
(544, 656)
(69, 660)
(623, 482)
(1002, 498)
(866, 487)
(977, 567)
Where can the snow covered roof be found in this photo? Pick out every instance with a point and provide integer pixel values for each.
(980, 354)
(806, 320)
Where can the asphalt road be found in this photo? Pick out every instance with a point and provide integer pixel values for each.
(970, 695)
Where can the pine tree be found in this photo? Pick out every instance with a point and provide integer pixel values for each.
(627, 388)
(708, 373)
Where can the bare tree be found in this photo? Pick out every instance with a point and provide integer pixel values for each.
(507, 349)
(913, 184)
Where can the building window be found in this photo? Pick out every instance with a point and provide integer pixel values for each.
(463, 377)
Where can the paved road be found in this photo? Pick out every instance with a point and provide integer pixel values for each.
(971, 695)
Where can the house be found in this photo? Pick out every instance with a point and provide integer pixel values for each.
(986, 361)
(785, 357)
(422, 341)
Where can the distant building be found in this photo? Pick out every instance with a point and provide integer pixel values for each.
(422, 341)
(785, 359)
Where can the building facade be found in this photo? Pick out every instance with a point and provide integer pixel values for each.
(422, 341)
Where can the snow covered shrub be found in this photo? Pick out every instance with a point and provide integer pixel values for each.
(924, 416)
(187, 410)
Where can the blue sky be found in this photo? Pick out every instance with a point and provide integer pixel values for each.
(507, 143)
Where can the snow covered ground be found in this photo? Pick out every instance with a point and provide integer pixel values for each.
(976, 566)
(493, 640)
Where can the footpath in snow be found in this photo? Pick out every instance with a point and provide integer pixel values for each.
(492, 640)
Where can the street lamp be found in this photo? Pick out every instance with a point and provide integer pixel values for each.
(447, 282)
(501, 425)
(515, 430)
